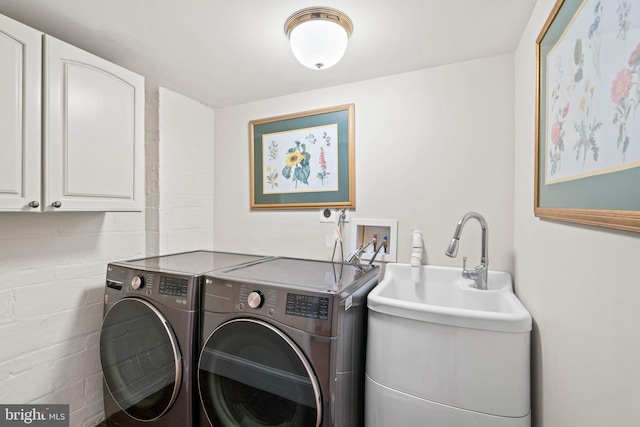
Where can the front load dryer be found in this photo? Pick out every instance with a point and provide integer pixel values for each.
(149, 337)
(284, 344)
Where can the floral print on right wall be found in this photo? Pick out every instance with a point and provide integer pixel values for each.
(593, 92)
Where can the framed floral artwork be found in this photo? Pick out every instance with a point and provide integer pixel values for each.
(303, 160)
(587, 158)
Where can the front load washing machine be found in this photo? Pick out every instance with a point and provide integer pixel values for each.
(284, 344)
(149, 337)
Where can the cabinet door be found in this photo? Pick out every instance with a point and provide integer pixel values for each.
(93, 132)
(20, 129)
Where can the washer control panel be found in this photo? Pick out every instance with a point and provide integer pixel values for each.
(180, 292)
(174, 286)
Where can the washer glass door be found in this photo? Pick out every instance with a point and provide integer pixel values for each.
(251, 374)
(140, 358)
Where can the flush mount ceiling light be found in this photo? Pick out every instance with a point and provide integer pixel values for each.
(318, 36)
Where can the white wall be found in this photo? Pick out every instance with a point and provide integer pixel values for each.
(581, 285)
(185, 201)
(430, 146)
(52, 269)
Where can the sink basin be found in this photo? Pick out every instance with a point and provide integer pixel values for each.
(443, 296)
(440, 352)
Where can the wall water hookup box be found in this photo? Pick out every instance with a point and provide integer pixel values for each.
(363, 231)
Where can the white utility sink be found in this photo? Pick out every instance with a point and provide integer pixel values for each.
(441, 352)
(443, 296)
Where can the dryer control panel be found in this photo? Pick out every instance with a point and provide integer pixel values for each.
(309, 311)
(311, 306)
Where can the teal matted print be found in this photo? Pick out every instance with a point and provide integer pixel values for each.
(303, 160)
(587, 166)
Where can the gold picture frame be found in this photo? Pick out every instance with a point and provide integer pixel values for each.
(586, 81)
(303, 160)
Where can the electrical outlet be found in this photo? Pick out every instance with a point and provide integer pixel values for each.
(330, 240)
(331, 215)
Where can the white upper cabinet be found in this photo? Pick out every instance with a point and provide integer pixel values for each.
(80, 145)
(20, 119)
(93, 132)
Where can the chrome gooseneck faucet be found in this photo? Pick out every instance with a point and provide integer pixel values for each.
(478, 274)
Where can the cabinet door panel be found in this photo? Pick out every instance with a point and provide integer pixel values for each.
(100, 136)
(20, 128)
(94, 132)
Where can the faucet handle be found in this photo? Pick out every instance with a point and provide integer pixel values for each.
(468, 274)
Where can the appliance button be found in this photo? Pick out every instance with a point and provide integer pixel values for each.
(137, 282)
(255, 299)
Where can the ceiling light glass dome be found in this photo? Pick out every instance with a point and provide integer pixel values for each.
(318, 36)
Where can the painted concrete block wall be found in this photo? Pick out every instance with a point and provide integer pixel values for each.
(431, 145)
(185, 174)
(581, 285)
(52, 269)
(152, 174)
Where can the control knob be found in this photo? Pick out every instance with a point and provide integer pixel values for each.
(137, 282)
(255, 299)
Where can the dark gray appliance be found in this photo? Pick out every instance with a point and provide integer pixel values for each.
(284, 344)
(149, 338)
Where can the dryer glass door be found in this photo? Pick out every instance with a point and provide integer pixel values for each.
(140, 358)
(251, 374)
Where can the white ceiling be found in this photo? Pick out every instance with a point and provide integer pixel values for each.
(228, 52)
